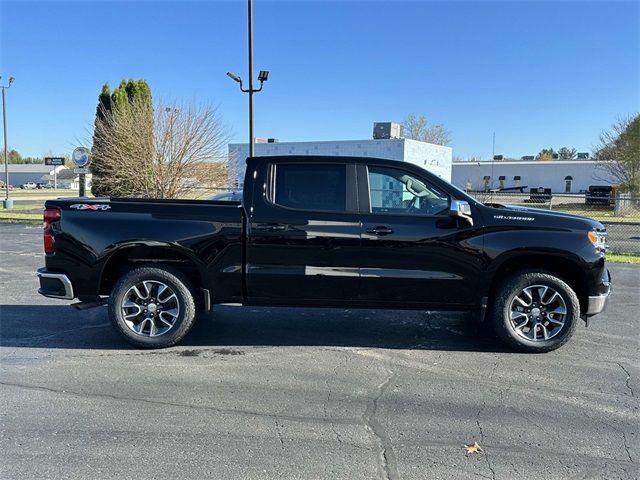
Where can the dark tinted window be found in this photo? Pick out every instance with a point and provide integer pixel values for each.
(311, 187)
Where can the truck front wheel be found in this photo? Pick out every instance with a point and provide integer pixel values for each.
(535, 311)
(152, 307)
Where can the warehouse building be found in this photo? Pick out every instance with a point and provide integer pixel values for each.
(561, 176)
(387, 143)
(20, 174)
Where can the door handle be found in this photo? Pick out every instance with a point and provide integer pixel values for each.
(270, 227)
(380, 230)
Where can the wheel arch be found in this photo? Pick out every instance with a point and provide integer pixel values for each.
(566, 268)
(132, 255)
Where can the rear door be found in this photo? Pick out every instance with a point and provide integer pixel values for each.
(304, 234)
(413, 253)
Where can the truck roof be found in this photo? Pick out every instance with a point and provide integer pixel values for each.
(325, 159)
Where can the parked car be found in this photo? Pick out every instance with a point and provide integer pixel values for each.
(233, 196)
(29, 186)
(2, 185)
(328, 231)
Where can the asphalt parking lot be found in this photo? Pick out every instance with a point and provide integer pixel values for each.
(261, 393)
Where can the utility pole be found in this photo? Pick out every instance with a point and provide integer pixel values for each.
(493, 158)
(8, 203)
(262, 76)
(250, 30)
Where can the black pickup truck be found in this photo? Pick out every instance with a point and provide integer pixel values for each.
(327, 231)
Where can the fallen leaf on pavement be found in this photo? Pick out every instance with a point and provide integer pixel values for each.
(475, 448)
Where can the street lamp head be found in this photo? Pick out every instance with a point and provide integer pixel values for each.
(11, 79)
(263, 75)
(233, 76)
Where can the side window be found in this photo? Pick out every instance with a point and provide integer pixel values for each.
(396, 191)
(311, 187)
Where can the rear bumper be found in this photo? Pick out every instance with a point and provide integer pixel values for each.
(597, 303)
(55, 285)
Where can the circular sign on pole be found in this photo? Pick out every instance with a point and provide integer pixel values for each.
(80, 157)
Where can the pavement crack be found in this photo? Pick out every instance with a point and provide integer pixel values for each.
(279, 433)
(484, 451)
(225, 411)
(627, 379)
(387, 468)
(329, 393)
(626, 446)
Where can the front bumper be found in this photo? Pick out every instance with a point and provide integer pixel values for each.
(55, 285)
(597, 303)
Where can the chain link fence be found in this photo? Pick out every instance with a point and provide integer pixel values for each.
(619, 213)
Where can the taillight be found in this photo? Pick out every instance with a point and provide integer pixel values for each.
(51, 215)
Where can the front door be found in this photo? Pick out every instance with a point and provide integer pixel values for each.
(304, 234)
(413, 252)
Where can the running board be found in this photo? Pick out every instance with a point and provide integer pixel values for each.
(88, 305)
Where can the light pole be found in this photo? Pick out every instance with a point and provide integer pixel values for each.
(7, 203)
(262, 76)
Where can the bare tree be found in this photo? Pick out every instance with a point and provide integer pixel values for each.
(618, 151)
(164, 155)
(418, 128)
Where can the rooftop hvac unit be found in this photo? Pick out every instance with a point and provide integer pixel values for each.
(386, 130)
(272, 140)
(583, 155)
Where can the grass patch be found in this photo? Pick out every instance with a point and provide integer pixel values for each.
(603, 217)
(623, 258)
(20, 207)
(16, 217)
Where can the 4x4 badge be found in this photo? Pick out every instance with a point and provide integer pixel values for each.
(90, 206)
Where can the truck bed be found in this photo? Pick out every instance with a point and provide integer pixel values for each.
(96, 234)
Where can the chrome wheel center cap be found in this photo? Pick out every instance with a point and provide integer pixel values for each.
(152, 307)
(535, 312)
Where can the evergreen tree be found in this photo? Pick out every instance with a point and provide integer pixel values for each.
(99, 158)
(566, 153)
(111, 103)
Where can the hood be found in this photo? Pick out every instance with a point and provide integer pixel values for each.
(552, 216)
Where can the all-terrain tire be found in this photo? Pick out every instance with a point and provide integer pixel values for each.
(180, 312)
(507, 318)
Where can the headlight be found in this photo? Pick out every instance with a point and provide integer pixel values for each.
(599, 239)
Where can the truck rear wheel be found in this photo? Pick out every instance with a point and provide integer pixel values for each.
(152, 307)
(535, 311)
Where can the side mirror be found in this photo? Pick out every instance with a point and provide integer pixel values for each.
(461, 209)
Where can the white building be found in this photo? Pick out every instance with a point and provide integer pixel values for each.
(28, 173)
(38, 173)
(435, 158)
(561, 176)
(66, 178)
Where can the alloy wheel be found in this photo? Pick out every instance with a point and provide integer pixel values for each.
(538, 313)
(150, 308)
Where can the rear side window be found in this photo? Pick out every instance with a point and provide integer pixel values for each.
(311, 187)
